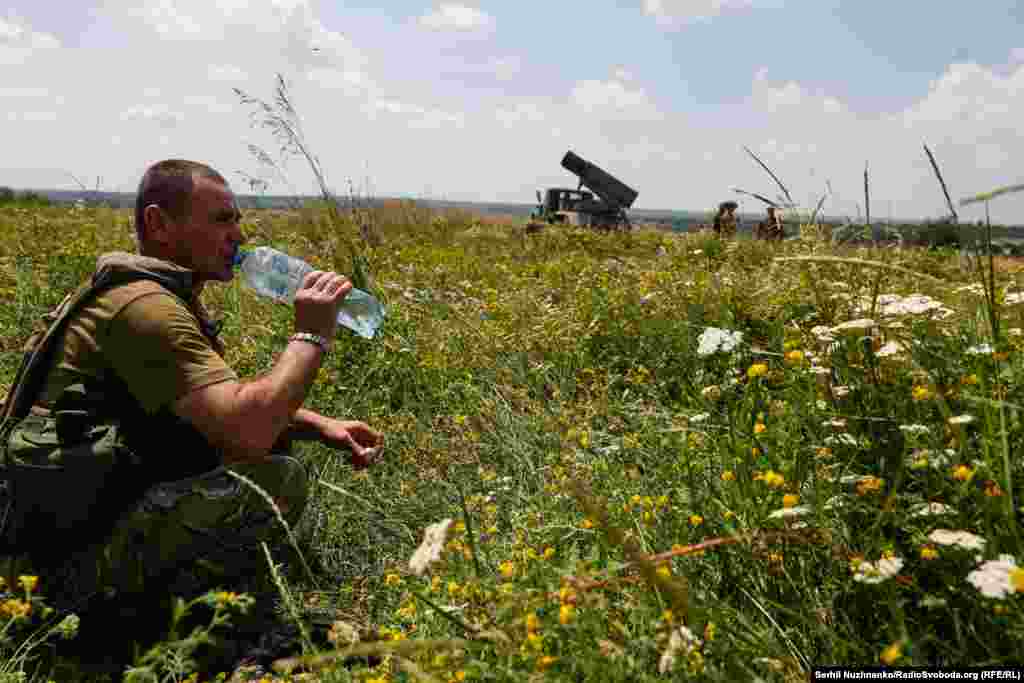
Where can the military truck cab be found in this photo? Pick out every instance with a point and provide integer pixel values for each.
(565, 206)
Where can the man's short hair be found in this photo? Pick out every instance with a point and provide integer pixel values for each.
(169, 185)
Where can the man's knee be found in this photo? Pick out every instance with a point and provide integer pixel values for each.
(283, 479)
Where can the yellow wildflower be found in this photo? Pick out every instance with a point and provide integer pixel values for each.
(28, 583)
(728, 514)
(507, 569)
(869, 485)
(970, 380)
(546, 661)
(760, 428)
(771, 478)
(392, 580)
(566, 595)
(14, 608)
(459, 676)
(928, 552)
(453, 588)
(789, 500)
(664, 571)
(696, 520)
(668, 616)
(963, 473)
(892, 653)
(1017, 579)
(728, 475)
(795, 357)
(566, 614)
(532, 623)
(921, 393)
(587, 523)
(549, 552)
(435, 584)
(757, 370)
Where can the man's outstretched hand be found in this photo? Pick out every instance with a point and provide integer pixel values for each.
(364, 443)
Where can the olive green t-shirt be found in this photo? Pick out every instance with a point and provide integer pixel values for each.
(146, 336)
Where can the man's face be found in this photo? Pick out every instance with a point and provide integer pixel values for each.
(206, 241)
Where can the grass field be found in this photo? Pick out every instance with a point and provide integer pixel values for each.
(636, 492)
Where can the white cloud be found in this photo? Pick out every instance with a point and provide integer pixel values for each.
(676, 13)
(32, 116)
(208, 103)
(520, 112)
(18, 42)
(23, 92)
(15, 33)
(456, 17)
(969, 118)
(226, 72)
(622, 74)
(160, 114)
(614, 100)
(419, 117)
(505, 68)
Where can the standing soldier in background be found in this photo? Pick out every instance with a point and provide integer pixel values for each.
(725, 220)
(770, 228)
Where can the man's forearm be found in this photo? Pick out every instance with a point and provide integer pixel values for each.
(305, 425)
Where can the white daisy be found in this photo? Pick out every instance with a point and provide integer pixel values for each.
(960, 539)
(712, 340)
(877, 572)
(931, 509)
(979, 349)
(992, 578)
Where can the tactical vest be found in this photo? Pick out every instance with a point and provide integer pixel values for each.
(72, 470)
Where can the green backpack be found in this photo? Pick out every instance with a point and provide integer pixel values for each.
(64, 471)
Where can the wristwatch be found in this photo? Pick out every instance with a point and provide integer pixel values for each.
(312, 339)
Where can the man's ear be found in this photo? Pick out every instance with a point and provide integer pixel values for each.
(157, 224)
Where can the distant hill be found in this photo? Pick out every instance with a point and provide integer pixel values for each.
(679, 221)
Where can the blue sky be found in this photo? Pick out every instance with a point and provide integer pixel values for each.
(479, 101)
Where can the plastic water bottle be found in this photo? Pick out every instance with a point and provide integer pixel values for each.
(278, 276)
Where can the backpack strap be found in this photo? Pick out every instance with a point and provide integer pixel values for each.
(39, 350)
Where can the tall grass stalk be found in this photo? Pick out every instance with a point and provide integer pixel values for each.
(285, 125)
(280, 518)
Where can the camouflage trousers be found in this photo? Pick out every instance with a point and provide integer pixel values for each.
(186, 536)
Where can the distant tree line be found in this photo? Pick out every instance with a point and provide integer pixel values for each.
(26, 198)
